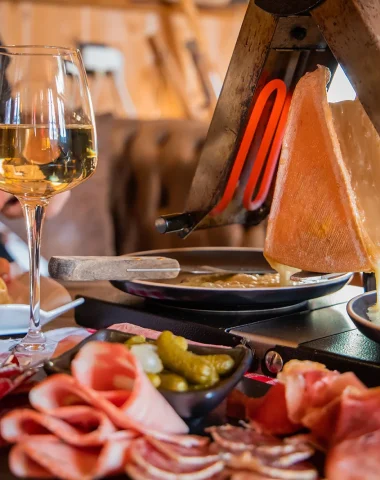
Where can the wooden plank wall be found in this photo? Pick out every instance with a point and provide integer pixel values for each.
(126, 29)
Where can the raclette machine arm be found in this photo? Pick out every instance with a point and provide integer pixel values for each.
(278, 42)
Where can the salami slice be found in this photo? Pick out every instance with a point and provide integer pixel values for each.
(237, 439)
(159, 466)
(76, 425)
(247, 461)
(184, 455)
(183, 440)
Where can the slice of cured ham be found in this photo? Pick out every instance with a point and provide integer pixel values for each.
(76, 425)
(108, 377)
(152, 334)
(326, 200)
(47, 457)
(309, 395)
(357, 414)
(355, 459)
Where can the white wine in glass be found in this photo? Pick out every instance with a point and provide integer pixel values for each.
(47, 144)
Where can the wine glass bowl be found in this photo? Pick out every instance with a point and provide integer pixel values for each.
(47, 142)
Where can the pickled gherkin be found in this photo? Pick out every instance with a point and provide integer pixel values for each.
(135, 340)
(192, 367)
(155, 379)
(181, 342)
(223, 363)
(171, 381)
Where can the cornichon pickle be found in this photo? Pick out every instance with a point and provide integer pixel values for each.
(193, 367)
(174, 382)
(155, 379)
(223, 363)
(135, 340)
(181, 342)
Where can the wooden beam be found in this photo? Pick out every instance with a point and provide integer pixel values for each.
(352, 31)
(128, 4)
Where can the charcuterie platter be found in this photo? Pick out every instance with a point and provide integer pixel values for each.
(106, 418)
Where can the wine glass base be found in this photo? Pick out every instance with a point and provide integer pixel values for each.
(33, 353)
(26, 347)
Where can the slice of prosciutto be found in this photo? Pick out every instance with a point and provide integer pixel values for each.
(45, 456)
(76, 425)
(308, 395)
(355, 459)
(108, 377)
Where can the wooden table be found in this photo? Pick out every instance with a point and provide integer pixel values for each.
(101, 290)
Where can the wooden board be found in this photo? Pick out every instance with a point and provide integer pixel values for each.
(123, 3)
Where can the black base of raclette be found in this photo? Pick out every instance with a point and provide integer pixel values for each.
(319, 330)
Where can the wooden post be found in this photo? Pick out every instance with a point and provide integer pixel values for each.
(352, 31)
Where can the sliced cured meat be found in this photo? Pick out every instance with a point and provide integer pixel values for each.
(135, 330)
(248, 476)
(184, 455)
(76, 425)
(358, 413)
(11, 378)
(108, 377)
(310, 385)
(300, 379)
(237, 403)
(135, 472)
(270, 413)
(57, 391)
(182, 440)
(355, 459)
(250, 462)
(21, 465)
(68, 343)
(160, 466)
(104, 369)
(237, 439)
(149, 333)
(47, 457)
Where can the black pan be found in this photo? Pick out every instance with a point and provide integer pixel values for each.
(248, 259)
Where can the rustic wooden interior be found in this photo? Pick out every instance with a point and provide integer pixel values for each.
(146, 160)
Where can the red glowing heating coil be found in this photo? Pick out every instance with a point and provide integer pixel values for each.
(271, 142)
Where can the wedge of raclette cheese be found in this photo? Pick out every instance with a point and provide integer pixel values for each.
(325, 214)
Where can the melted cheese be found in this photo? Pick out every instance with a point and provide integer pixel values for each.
(284, 271)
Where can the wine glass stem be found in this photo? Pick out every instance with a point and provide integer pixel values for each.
(34, 215)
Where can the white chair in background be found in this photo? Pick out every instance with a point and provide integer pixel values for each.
(103, 61)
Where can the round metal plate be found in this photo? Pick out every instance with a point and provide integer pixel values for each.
(248, 259)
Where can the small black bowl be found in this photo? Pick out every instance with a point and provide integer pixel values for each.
(193, 404)
(357, 310)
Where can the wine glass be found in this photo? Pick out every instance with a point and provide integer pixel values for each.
(47, 145)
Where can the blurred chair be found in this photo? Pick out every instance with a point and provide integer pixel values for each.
(102, 61)
(152, 176)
